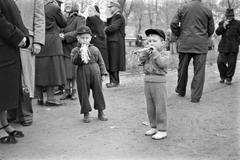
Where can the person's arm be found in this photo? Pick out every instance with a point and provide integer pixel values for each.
(219, 31)
(117, 22)
(101, 63)
(38, 26)
(174, 25)
(211, 26)
(10, 33)
(76, 57)
(161, 59)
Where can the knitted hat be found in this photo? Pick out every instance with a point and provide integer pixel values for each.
(115, 4)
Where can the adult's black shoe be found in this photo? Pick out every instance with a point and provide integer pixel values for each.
(111, 85)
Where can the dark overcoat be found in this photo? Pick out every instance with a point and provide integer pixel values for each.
(98, 36)
(115, 32)
(70, 36)
(54, 20)
(230, 37)
(12, 31)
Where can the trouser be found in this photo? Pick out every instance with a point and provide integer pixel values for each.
(227, 64)
(114, 77)
(24, 112)
(88, 77)
(156, 97)
(199, 62)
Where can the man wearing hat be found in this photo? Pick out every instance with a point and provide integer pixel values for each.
(115, 32)
(193, 25)
(228, 46)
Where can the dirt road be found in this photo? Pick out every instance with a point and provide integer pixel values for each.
(208, 130)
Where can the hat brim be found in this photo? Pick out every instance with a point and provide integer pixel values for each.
(151, 31)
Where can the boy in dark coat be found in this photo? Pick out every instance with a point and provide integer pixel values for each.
(90, 69)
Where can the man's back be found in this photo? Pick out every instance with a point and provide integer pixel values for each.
(196, 26)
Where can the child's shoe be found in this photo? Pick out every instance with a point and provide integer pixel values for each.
(159, 135)
(86, 118)
(151, 132)
(101, 116)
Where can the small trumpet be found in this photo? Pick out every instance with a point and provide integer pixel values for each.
(149, 50)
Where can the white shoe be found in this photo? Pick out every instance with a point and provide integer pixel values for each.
(159, 135)
(151, 132)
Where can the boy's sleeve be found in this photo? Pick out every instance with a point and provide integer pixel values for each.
(101, 64)
(162, 59)
(143, 57)
(75, 57)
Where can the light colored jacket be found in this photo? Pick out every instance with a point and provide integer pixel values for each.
(32, 12)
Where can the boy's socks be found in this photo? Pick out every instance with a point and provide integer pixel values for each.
(151, 132)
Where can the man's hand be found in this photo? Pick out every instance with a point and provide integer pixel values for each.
(23, 42)
(36, 48)
(225, 24)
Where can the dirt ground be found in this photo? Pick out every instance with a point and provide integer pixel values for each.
(208, 130)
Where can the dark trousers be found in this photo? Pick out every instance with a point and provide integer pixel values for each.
(114, 77)
(24, 112)
(89, 77)
(199, 62)
(227, 64)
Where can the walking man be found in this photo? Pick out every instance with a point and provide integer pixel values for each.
(193, 24)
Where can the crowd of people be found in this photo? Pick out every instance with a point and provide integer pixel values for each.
(43, 47)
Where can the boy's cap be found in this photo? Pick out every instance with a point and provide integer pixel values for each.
(84, 29)
(60, 1)
(115, 4)
(155, 31)
(229, 12)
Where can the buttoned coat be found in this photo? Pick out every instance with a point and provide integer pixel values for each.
(98, 36)
(12, 31)
(193, 30)
(115, 32)
(33, 15)
(230, 37)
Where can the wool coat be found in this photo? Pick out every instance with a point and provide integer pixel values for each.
(74, 21)
(115, 32)
(98, 36)
(54, 20)
(34, 19)
(12, 31)
(230, 37)
(193, 38)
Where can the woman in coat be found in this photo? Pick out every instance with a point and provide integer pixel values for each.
(98, 36)
(12, 36)
(69, 41)
(50, 69)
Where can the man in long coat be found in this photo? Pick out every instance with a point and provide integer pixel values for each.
(13, 35)
(115, 32)
(193, 24)
(33, 15)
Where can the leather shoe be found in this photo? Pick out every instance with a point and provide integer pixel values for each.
(228, 82)
(86, 118)
(180, 94)
(101, 116)
(222, 80)
(110, 85)
(53, 102)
